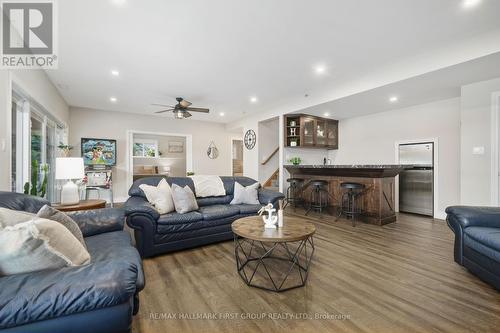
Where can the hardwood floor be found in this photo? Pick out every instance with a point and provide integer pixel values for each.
(399, 277)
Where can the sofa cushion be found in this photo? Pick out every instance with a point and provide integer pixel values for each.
(248, 209)
(115, 246)
(176, 218)
(245, 194)
(215, 212)
(224, 200)
(483, 240)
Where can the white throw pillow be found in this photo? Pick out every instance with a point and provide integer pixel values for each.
(39, 244)
(208, 186)
(245, 195)
(184, 199)
(10, 217)
(159, 196)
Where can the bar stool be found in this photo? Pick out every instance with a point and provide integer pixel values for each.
(350, 205)
(294, 192)
(318, 199)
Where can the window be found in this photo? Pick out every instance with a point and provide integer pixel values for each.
(35, 136)
(145, 148)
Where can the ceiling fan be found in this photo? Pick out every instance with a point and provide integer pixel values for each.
(181, 109)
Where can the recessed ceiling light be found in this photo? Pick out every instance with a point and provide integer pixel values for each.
(221, 114)
(326, 114)
(320, 69)
(253, 99)
(114, 72)
(393, 99)
(470, 3)
(113, 99)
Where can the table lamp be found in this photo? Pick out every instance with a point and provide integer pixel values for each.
(69, 168)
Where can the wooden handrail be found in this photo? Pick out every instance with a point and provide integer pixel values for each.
(271, 156)
(270, 180)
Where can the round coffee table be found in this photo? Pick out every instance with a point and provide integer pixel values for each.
(273, 259)
(82, 205)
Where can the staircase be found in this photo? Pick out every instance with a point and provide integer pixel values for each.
(273, 182)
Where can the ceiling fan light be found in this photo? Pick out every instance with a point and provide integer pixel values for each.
(178, 115)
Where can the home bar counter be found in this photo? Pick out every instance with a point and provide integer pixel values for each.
(378, 199)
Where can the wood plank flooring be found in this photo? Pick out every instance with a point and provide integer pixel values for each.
(396, 278)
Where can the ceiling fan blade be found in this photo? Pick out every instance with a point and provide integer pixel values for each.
(198, 110)
(187, 114)
(168, 106)
(164, 111)
(185, 103)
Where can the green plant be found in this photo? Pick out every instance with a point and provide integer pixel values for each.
(37, 187)
(65, 148)
(190, 173)
(295, 160)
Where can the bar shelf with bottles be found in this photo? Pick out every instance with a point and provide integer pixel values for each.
(306, 131)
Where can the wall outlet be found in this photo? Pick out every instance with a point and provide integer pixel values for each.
(478, 151)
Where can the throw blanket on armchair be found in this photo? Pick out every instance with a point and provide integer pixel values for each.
(208, 186)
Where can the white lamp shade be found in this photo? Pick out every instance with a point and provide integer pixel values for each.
(69, 168)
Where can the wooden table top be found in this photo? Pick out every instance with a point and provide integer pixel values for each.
(82, 205)
(294, 229)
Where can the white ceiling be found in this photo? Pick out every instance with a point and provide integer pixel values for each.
(218, 53)
(437, 85)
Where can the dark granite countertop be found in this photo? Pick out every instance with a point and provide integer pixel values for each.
(346, 170)
(346, 166)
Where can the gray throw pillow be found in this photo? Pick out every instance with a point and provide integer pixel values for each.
(245, 195)
(184, 200)
(53, 214)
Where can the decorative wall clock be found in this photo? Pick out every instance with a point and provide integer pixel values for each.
(250, 139)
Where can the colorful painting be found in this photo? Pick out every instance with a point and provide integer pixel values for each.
(99, 151)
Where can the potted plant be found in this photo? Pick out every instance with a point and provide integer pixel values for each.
(66, 149)
(295, 160)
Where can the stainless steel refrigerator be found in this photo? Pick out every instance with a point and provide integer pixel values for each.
(416, 183)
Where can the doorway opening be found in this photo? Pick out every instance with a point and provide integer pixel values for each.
(237, 157)
(495, 149)
(158, 154)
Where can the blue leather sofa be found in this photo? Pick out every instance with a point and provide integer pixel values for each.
(156, 234)
(477, 240)
(99, 297)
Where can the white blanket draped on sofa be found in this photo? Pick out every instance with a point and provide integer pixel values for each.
(208, 186)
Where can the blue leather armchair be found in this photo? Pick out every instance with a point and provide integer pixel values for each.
(99, 297)
(477, 240)
(156, 234)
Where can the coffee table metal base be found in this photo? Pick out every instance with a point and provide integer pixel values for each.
(295, 258)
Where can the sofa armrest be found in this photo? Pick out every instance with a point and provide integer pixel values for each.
(460, 217)
(268, 196)
(98, 221)
(140, 206)
(32, 297)
(468, 216)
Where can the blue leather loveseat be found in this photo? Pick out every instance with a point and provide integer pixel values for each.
(477, 240)
(156, 234)
(99, 297)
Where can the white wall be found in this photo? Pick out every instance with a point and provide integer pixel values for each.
(372, 139)
(114, 125)
(476, 132)
(37, 85)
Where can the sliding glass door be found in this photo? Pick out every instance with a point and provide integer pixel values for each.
(35, 137)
